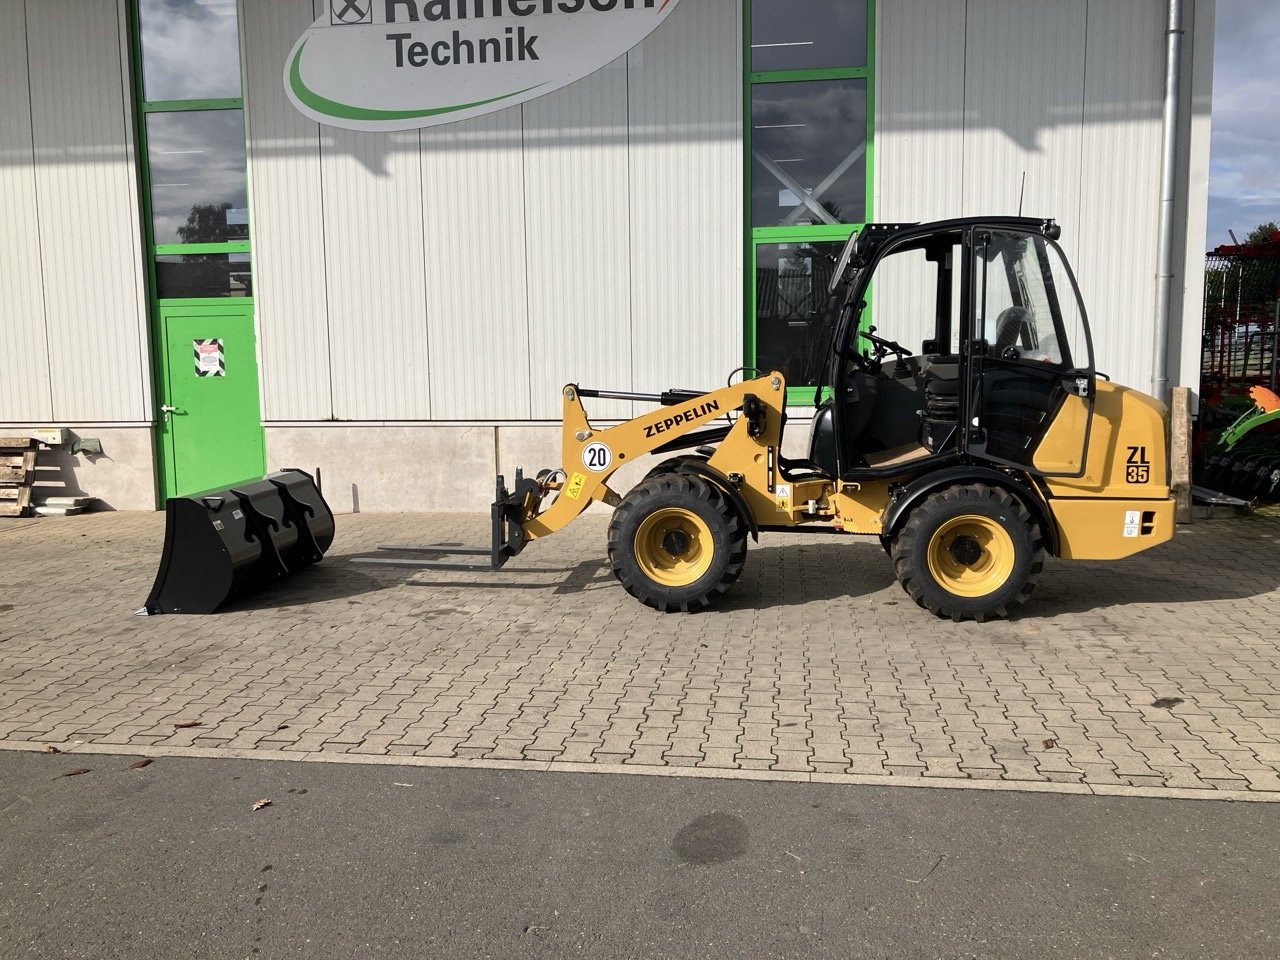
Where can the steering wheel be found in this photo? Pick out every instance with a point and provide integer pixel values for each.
(885, 347)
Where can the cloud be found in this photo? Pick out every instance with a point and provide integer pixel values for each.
(1244, 179)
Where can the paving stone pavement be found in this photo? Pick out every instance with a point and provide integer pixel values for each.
(1151, 675)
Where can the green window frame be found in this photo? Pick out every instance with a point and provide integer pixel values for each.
(144, 108)
(799, 395)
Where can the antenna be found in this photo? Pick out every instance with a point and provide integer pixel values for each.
(1022, 195)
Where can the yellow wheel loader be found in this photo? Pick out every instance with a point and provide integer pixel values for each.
(994, 444)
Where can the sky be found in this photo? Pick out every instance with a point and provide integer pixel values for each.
(1244, 177)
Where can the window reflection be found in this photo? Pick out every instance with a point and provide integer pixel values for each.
(207, 275)
(808, 151)
(793, 310)
(198, 191)
(190, 49)
(808, 34)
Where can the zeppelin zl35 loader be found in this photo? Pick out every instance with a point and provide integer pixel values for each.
(994, 445)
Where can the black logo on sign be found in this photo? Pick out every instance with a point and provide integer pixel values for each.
(347, 12)
(1138, 466)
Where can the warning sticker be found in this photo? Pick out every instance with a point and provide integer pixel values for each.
(574, 490)
(783, 496)
(1132, 523)
(210, 360)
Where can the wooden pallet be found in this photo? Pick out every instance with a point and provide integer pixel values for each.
(17, 474)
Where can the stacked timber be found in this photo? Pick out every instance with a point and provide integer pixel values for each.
(17, 475)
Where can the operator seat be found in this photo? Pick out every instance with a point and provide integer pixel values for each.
(1014, 329)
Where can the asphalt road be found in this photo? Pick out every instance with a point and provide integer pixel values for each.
(170, 862)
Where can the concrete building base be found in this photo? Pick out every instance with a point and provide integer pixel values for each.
(122, 477)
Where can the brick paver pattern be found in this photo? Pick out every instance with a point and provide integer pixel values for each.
(817, 662)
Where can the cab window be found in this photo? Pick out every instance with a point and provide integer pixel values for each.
(1028, 309)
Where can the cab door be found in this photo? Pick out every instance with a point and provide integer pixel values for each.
(1030, 355)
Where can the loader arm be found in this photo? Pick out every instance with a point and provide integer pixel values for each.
(590, 457)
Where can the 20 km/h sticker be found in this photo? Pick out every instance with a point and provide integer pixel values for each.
(597, 457)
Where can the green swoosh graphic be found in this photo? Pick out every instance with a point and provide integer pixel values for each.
(347, 111)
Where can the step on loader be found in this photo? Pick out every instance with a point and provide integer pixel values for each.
(993, 445)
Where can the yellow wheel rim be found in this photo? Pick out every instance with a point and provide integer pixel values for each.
(971, 556)
(674, 547)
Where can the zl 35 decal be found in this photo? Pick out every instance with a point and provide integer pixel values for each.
(1138, 466)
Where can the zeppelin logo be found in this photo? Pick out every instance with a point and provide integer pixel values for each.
(683, 417)
(402, 64)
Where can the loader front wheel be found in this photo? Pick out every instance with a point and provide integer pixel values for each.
(676, 543)
(969, 553)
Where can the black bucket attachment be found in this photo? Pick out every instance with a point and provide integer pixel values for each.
(229, 542)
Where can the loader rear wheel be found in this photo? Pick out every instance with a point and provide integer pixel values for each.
(676, 543)
(969, 553)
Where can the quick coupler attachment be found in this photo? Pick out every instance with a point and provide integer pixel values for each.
(233, 541)
(508, 514)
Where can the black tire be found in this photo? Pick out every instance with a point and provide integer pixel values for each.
(674, 464)
(676, 543)
(969, 553)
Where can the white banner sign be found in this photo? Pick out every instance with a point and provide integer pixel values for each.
(403, 64)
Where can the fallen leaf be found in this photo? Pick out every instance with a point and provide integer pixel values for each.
(139, 764)
(259, 804)
(188, 725)
(76, 772)
(1050, 744)
(50, 748)
(283, 726)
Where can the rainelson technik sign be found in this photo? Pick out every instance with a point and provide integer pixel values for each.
(403, 64)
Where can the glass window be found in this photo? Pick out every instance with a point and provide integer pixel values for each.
(808, 152)
(204, 275)
(1029, 308)
(190, 49)
(198, 191)
(793, 309)
(808, 34)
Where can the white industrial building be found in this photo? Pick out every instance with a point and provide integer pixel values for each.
(401, 309)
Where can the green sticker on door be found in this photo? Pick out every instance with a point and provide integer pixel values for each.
(210, 360)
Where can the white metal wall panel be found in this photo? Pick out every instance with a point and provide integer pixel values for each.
(1024, 82)
(579, 268)
(87, 195)
(24, 349)
(686, 217)
(920, 157)
(477, 308)
(1187, 327)
(920, 109)
(374, 267)
(1120, 184)
(290, 300)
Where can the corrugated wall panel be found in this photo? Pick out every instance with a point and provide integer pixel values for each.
(24, 350)
(579, 267)
(919, 154)
(477, 308)
(686, 217)
(377, 293)
(1187, 327)
(1120, 184)
(1024, 83)
(86, 188)
(290, 298)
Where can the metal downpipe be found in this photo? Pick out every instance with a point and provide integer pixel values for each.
(1168, 199)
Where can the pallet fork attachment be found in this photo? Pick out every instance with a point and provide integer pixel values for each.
(507, 513)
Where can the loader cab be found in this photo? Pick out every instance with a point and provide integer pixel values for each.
(952, 342)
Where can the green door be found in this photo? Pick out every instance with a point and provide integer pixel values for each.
(210, 418)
